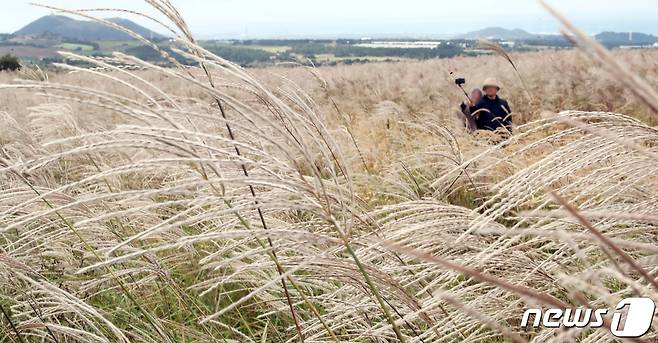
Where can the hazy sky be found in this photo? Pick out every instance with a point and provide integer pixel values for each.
(298, 18)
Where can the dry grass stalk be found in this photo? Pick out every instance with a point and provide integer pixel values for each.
(124, 183)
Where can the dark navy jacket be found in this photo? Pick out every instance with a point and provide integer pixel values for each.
(492, 113)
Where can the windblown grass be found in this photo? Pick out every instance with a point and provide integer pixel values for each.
(219, 204)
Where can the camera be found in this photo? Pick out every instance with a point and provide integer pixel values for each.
(460, 81)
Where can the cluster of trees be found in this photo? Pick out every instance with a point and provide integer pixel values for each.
(282, 42)
(147, 53)
(251, 53)
(247, 52)
(246, 55)
(616, 39)
(240, 55)
(9, 63)
(557, 42)
(94, 45)
(345, 50)
(243, 56)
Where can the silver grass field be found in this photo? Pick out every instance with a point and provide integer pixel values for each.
(331, 204)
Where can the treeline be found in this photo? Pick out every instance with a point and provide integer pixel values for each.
(94, 45)
(253, 53)
(243, 56)
(282, 42)
(342, 51)
(147, 53)
(246, 55)
(557, 42)
(240, 55)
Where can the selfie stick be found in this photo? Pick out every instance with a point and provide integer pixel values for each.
(462, 88)
(465, 93)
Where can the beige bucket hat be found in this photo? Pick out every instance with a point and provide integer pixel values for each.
(490, 82)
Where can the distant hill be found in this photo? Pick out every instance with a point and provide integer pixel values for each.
(497, 33)
(625, 38)
(607, 38)
(84, 30)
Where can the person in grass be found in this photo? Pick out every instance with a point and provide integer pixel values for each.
(492, 112)
(476, 95)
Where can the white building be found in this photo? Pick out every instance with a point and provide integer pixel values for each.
(401, 44)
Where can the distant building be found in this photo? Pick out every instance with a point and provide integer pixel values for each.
(652, 46)
(401, 44)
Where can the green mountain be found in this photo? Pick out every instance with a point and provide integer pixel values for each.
(626, 38)
(84, 30)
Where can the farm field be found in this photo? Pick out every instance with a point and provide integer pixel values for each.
(334, 58)
(21, 51)
(116, 45)
(275, 49)
(334, 204)
(77, 47)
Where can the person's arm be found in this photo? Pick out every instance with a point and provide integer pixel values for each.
(465, 107)
(476, 108)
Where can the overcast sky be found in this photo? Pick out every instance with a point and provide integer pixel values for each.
(298, 18)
